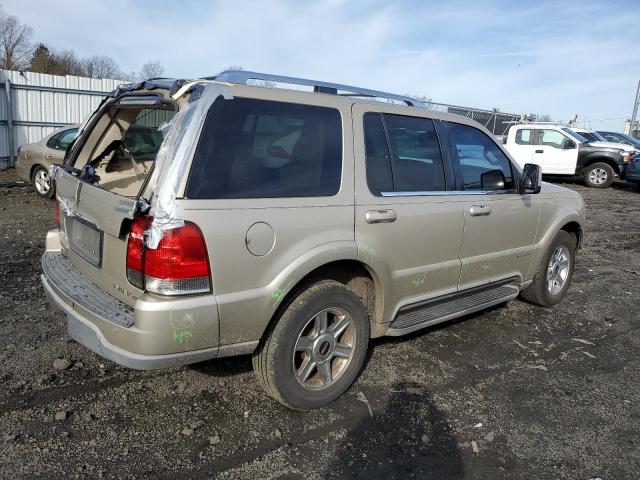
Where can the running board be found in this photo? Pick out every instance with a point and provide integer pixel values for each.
(414, 318)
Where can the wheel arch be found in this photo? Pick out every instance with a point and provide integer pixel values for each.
(576, 229)
(602, 159)
(356, 275)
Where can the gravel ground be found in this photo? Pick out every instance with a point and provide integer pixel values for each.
(517, 391)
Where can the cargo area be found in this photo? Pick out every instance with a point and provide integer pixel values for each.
(123, 143)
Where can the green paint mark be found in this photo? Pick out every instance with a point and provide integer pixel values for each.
(366, 252)
(419, 280)
(181, 334)
(280, 292)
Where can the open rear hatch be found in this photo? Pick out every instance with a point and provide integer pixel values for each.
(102, 183)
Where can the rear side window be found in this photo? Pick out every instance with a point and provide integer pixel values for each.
(264, 149)
(524, 137)
(478, 154)
(410, 161)
(379, 176)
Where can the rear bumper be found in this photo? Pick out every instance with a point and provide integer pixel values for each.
(23, 171)
(86, 333)
(105, 326)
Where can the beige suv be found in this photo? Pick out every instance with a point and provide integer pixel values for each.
(291, 225)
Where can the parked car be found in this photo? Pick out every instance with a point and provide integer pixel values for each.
(294, 226)
(34, 159)
(559, 150)
(631, 173)
(618, 137)
(596, 139)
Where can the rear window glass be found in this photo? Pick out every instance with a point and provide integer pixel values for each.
(264, 149)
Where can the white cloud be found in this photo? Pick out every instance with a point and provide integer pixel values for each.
(548, 57)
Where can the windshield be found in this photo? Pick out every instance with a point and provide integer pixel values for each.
(612, 138)
(593, 136)
(575, 135)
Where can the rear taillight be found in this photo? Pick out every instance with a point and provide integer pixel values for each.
(58, 212)
(179, 266)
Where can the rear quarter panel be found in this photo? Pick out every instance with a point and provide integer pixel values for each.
(308, 232)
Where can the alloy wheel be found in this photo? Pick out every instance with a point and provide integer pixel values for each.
(42, 182)
(558, 270)
(324, 348)
(598, 176)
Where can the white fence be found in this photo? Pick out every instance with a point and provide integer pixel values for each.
(32, 105)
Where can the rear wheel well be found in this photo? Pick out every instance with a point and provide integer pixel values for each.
(608, 161)
(351, 273)
(575, 229)
(33, 169)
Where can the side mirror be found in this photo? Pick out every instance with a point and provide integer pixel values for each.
(492, 180)
(531, 181)
(569, 144)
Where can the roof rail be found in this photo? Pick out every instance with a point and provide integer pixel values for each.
(242, 77)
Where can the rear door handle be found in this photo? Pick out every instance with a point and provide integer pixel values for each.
(480, 210)
(539, 151)
(48, 156)
(380, 216)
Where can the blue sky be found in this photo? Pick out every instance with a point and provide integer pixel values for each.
(555, 57)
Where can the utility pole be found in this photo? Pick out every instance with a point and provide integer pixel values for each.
(634, 115)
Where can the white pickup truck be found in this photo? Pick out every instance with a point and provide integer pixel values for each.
(559, 150)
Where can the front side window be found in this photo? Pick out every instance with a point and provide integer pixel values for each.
(524, 136)
(478, 155)
(551, 138)
(264, 149)
(410, 161)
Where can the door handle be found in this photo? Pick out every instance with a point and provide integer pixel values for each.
(380, 216)
(539, 151)
(480, 210)
(48, 156)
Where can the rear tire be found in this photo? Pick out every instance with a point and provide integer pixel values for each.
(598, 175)
(560, 254)
(306, 359)
(42, 182)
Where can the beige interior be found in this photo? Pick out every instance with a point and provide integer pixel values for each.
(122, 171)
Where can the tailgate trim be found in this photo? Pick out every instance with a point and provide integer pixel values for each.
(77, 288)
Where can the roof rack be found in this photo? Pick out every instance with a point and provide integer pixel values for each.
(242, 77)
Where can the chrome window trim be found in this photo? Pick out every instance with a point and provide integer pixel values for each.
(447, 193)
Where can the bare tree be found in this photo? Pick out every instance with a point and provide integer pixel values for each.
(100, 66)
(151, 70)
(426, 101)
(15, 43)
(68, 63)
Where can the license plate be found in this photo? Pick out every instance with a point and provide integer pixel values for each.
(84, 239)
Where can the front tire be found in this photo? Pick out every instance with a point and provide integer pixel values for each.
(554, 274)
(42, 182)
(598, 175)
(316, 348)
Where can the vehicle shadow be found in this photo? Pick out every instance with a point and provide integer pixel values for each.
(411, 438)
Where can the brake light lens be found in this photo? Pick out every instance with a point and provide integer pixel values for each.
(179, 266)
(58, 212)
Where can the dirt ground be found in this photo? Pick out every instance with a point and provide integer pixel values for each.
(514, 392)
